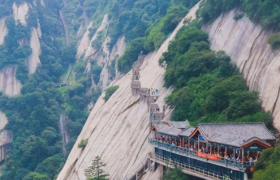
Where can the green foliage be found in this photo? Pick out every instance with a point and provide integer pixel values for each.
(166, 25)
(110, 91)
(96, 71)
(211, 9)
(274, 41)
(207, 87)
(145, 26)
(68, 54)
(36, 176)
(82, 143)
(131, 54)
(265, 12)
(33, 117)
(97, 43)
(238, 16)
(95, 171)
(267, 166)
(174, 174)
(11, 52)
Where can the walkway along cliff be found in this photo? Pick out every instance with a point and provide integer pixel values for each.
(118, 130)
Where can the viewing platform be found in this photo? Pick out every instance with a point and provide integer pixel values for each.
(186, 168)
(225, 149)
(144, 92)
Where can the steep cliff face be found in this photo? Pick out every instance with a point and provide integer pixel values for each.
(20, 12)
(33, 60)
(103, 56)
(247, 45)
(117, 130)
(5, 137)
(8, 82)
(3, 30)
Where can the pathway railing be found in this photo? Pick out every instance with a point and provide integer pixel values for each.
(190, 153)
(135, 84)
(185, 167)
(154, 116)
(144, 92)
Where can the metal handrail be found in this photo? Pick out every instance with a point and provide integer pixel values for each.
(158, 116)
(188, 153)
(186, 167)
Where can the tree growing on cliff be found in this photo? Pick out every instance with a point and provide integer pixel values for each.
(95, 171)
(174, 174)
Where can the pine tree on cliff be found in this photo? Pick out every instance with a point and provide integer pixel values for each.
(95, 171)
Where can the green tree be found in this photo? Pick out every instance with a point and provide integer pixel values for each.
(175, 173)
(36, 176)
(95, 171)
(110, 91)
(82, 143)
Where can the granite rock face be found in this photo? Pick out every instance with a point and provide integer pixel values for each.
(117, 130)
(246, 44)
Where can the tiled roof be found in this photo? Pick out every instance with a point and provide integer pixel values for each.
(167, 130)
(187, 132)
(180, 124)
(234, 134)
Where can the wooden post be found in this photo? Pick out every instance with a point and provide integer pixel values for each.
(242, 160)
(182, 142)
(218, 149)
(198, 143)
(210, 148)
(226, 151)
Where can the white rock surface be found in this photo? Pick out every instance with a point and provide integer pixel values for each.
(118, 129)
(154, 175)
(102, 57)
(3, 30)
(20, 12)
(3, 120)
(33, 60)
(85, 44)
(247, 45)
(8, 82)
(104, 25)
(6, 138)
(106, 57)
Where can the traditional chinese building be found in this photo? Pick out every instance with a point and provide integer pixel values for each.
(211, 150)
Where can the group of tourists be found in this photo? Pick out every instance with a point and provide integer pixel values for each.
(222, 154)
(155, 113)
(153, 91)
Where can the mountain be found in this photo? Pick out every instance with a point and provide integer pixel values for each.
(246, 43)
(57, 59)
(120, 126)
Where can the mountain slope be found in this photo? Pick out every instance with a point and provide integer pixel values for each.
(246, 44)
(118, 129)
